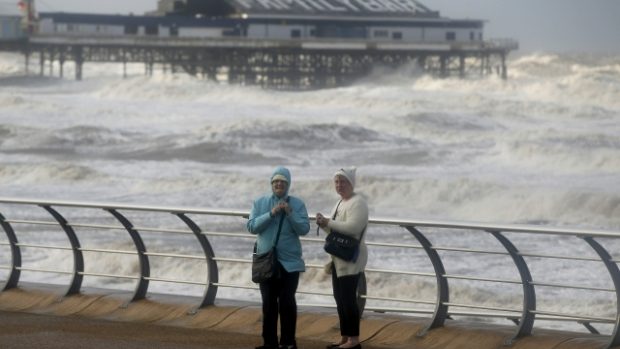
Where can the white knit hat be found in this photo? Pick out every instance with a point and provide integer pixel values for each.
(279, 177)
(348, 173)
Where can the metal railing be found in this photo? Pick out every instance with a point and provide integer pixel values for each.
(438, 257)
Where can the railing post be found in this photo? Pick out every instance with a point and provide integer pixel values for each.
(212, 269)
(78, 258)
(443, 293)
(16, 256)
(526, 322)
(145, 269)
(614, 272)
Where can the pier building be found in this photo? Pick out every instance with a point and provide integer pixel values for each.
(385, 21)
(274, 43)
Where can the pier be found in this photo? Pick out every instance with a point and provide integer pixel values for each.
(273, 63)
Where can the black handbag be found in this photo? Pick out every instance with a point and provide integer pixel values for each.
(265, 265)
(342, 246)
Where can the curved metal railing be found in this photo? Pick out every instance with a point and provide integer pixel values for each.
(27, 215)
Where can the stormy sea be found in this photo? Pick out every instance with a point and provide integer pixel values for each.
(541, 148)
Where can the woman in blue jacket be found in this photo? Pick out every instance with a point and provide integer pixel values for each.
(278, 293)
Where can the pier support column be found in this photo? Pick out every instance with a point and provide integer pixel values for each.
(461, 66)
(193, 68)
(27, 61)
(78, 55)
(442, 66)
(61, 63)
(124, 64)
(422, 62)
(42, 63)
(503, 68)
(52, 54)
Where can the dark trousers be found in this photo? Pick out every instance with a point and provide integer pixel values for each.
(278, 296)
(345, 294)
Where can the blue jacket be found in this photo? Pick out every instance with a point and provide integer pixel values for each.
(294, 225)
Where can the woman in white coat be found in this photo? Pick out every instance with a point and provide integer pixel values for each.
(350, 217)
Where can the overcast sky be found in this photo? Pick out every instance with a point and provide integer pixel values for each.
(538, 25)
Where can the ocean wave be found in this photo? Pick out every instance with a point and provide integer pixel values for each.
(11, 101)
(32, 140)
(162, 87)
(492, 199)
(234, 142)
(579, 154)
(296, 135)
(11, 64)
(29, 173)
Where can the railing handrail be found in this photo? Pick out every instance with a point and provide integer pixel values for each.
(525, 320)
(512, 228)
(98, 205)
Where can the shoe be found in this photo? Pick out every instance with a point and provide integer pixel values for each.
(358, 346)
(332, 346)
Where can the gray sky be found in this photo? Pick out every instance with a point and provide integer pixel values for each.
(538, 25)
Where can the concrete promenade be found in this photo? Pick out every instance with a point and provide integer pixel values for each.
(35, 316)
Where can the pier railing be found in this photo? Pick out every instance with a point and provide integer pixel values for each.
(444, 247)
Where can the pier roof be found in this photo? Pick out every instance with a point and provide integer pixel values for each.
(334, 7)
(316, 8)
(187, 21)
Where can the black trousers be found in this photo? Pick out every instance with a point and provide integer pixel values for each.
(345, 294)
(278, 296)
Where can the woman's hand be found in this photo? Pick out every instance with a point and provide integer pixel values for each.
(321, 221)
(281, 206)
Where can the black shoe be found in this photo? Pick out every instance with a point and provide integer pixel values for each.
(332, 346)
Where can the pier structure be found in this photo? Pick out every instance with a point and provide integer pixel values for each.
(273, 43)
(274, 63)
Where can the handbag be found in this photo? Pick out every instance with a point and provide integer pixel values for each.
(342, 246)
(265, 265)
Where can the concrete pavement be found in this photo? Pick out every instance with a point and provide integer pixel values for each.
(36, 316)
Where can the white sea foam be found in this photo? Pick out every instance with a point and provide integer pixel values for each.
(556, 116)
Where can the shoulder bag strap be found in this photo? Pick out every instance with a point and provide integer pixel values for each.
(334, 217)
(336, 211)
(363, 231)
